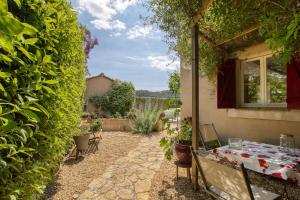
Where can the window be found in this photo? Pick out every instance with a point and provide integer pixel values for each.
(263, 83)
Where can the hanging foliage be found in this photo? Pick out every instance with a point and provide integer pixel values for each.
(42, 66)
(278, 26)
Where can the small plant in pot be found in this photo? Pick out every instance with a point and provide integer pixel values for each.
(96, 126)
(82, 140)
(178, 139)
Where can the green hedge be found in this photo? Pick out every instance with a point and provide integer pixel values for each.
(42, 79)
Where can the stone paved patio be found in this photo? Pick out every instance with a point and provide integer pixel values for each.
(130, 176)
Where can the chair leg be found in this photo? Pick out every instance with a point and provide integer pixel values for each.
(77, 153)
(285, 192)
(97, 143)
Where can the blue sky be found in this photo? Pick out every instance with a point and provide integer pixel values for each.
(127, 49)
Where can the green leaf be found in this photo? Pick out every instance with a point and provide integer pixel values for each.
(29, 29)
(49, 90)
(3, 7)
(7, 146)
(5, 58)
(18, 2)
(30, 115)
(29, 98)
(25, 150)
(32, 108)
(31, 41)
(51, 82)
(163, 142)
(6, 43)
(12, 197)
(23, 135)
(8, 125)
(10, 25)
(26, 53)
(4, 74)
(3, 164)
(47, 59)
(2, 88)
(51, 72)
(44, 110)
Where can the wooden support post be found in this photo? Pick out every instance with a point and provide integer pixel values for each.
(195, 99)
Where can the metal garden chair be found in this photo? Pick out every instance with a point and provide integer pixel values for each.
(223, 182)
(209, 136)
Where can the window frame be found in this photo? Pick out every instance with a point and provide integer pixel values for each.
(263, 85)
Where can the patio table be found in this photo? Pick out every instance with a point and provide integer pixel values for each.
(264, 158)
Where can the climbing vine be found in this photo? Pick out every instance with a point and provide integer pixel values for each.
(279, 23)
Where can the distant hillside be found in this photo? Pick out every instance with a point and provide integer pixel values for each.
(159, 94)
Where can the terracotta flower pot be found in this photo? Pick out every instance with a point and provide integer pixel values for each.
(82, 142)
(183, 153)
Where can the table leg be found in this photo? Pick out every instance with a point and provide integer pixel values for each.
(189, 174)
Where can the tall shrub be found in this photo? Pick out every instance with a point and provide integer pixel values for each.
(146, 119)
(41, 82)
(119, 99)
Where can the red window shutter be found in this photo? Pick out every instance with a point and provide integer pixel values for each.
(226, 84)
(293, 84)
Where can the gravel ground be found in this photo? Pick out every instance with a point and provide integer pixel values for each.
(75, 175)
(166, 187)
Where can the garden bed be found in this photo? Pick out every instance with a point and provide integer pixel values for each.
(114, 124)
(111, 124)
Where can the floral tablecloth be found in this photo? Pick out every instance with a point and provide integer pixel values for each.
(264, 158)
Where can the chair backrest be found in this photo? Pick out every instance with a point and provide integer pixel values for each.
(229, 180)
(209, 136)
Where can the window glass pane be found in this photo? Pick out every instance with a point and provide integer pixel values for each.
(276, 82)
(252, 81)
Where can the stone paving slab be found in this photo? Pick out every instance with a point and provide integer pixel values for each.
(129, 177)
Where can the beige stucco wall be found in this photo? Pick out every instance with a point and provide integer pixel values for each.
(250, 124)
(96, 86)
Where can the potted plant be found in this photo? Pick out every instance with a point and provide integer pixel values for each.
(82, 140)
(178, 139)
(96, 126)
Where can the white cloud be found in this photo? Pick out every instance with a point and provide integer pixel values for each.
(163, 63)
(104, 12)
(138, 32)
(121, 5)
(133, 58)
(117, 34)
(108, 25)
